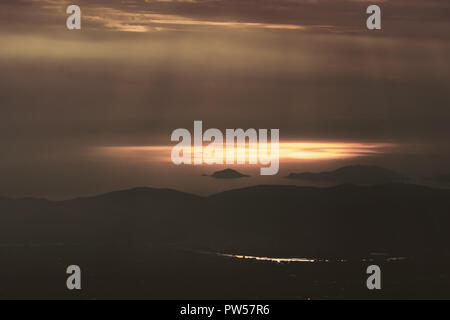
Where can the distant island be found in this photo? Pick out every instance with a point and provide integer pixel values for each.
(357, 174)
(228, 174)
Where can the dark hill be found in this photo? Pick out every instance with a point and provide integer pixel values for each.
(267, 220)
(146, 243)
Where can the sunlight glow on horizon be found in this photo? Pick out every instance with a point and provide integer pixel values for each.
(288, 151)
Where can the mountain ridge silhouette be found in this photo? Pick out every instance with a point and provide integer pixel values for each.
(265, 219)
(356, 174)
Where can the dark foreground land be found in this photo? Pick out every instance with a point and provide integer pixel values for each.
(150, 244)
(143, 272)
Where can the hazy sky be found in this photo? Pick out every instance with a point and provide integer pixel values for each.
(140, 69)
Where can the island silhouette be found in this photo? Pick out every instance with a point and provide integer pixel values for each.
(228, 174)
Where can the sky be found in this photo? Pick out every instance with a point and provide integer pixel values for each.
(74, 105)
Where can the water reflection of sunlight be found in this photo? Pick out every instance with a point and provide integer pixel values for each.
(303, 260)
(277, 260)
